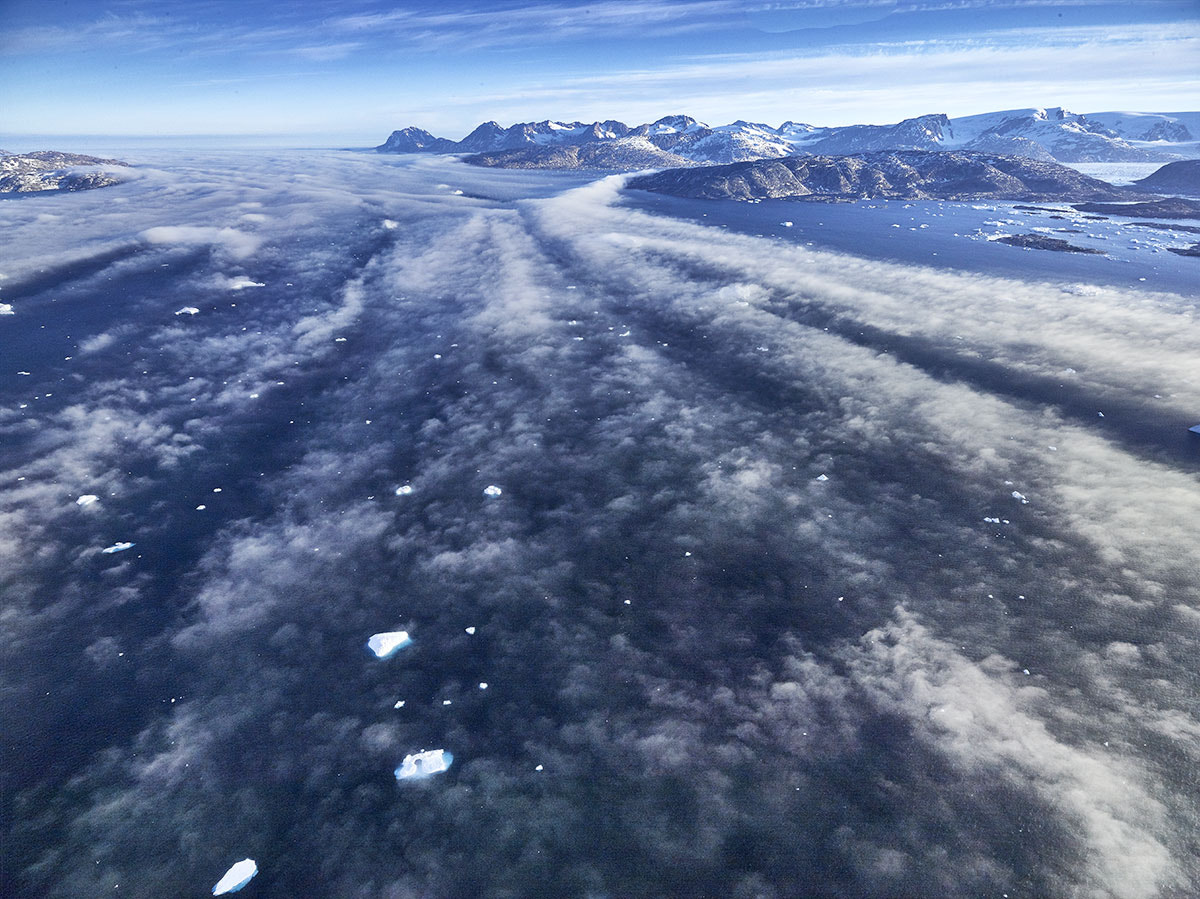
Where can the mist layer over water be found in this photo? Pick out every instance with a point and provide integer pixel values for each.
(808, 575)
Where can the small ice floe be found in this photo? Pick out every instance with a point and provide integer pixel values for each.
(404, 490)
(87, 499)
(424, 764)
(241, 282)
(117, 548)
(1020, 497)
(786, 224)
(471, 630)
(458, 193)
(492, 490)
(822, 477)
(399, 704)
(201, 507)
(483, 685)
(6, 309)
(991, 520)
(540, 768)
(236, 877)
(187, 310)
(390, 224)
(383, 645)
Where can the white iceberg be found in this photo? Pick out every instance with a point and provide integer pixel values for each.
(236, 877)
(424, 764)
(241, 282)
(117, 548)
(492, 490)
(6, 309)
(187, 310)
(383, 645)
(1020, 497)
(404, 490)
(87, 499)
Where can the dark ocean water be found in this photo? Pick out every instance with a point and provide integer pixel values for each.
(961, 236)
(829, 570)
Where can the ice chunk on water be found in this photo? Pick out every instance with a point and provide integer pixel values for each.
(786, 224)
(383, 645)
(1020, 497)
(492, 490)
(236, 877)
(822, 477)
(471, 630)
(188, 310)
(404, 490)
(6, 309)
(87, 499)
(241, 282)
(391, 224)
(117, 548)
(424, 764)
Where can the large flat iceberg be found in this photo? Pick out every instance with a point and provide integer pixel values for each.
(236, 877)
(424, 764)
(383, 645)
(116, 547)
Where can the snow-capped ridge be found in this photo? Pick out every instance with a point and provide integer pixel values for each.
(1041, 133)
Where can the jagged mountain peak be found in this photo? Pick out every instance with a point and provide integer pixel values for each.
(680, 123)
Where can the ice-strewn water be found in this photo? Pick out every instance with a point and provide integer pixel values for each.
(814, 561)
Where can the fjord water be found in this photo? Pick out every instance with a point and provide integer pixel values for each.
(833, 570)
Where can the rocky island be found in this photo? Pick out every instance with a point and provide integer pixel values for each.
(1182, 177)
(905, 175)
(45, 170)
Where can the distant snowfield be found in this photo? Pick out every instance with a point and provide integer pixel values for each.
(1119, 173)
(781, 565)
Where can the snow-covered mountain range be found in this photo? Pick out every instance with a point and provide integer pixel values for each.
(675, 141)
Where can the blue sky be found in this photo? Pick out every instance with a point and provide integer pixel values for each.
(350, 72)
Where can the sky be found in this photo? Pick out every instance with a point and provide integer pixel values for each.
(347, 73)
